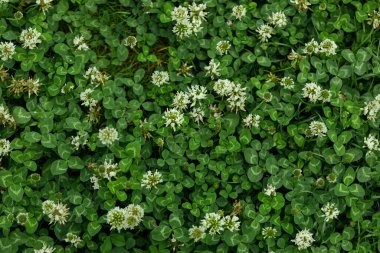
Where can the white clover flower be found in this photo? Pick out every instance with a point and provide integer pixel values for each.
(197, 114)
(197, 233)
(130, 41)
(270, 190)
(22, 218)
(330, 211)
(108, 135)
(151, 179)
(79, 140)
(223, 46)
(131, 222)
(239, 11)
(229, 22)
(95, 182)
(108, 170)
(196, 93)
(47, 206)
(95, 76)
(312, 91)
(214, 222)
(371, 143)
(44, 4)
(116, 217)
(7, 50)
(184, 70)
(183, 29)
(231, 223)
(252, 120)
(181, 100)
(371, 109)
(80, 44)
(160, 77)
(318, 128)
(237, 97)
(278, 19)
(374, 19)
(73, 239)
(6, 119)
(267, 96)
(58, 214)
(331, 178)
(325, 95)
(265, 32)
(32, 85)
(212, 69)
(301, 5)
(179, 14)
(5, 147)
(311, 47)
(269, 232)
(30, 38)
(197, 12)
(4, 2)
(45, 249)
(135, 211)
(67, 87)
(287, 82)
(173, 118)
(223, 87)
(303, 239)
(87, 99)
(327, 47)
(215, 111)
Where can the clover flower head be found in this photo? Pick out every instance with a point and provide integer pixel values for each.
(108, 135)
(303, 239)
(7, 50)
(80, 44)
(212, 69)
(197, 114)
(327, 47)
(5, 147)
(237, 97)
(73, 239)
(45, 249)
(374, 19)
(231, 223)
(371, 143)
(239, 11)
(287, 82)
(214, 222)
(330, 211)
(173, 118)
(269, 232)
(196, 93)
(181, 100)
(30, 38)
(318, 128)
(270, 190)
(87, 98)
(223, 87)
(130, 41)
(311, 47)
(160, 77)
(312, 91)
(151, 179)
(277, 19)
(197, 233)
(223, 46)
(265, 32)
(252, 120)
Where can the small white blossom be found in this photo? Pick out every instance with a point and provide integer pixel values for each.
(173, 118)
(374, 19)
(318, 128)
(67, 87)
(269, 232)
(151, 179)
(73, 239)
(160, 77)
(371, 143)
(197, 233)
(181, 100)
(197, 114)
(6, 119)
(214, 222)
(303, 239)
(179, 14)
(311, 47)
(95, 182)
(79, 140)
(44, 4)
(30, 38)
(312, 91)
(270, 190)
(80, 44)
(231, 223)
(130, 41)
(328, 47)
(223, 46)
(252, 120)
(223, 87)
(239, 11)
(330, 211)
(183, 29)
(277, 19)
(116, 217)
(371, 109)
(196, 93)
(87, 99)
(108, 135)
(301, 5)
(237, 97)
(287, 82)
(197, 12)
(325, 95)
(265, 32)
(45, 249)
(7, 50)
(95, 76)
(215, 111)
(57, 212)
(108, 170)
(212, 69)
(136, 211)
(22, 218)
(4, 2)
(5, 147)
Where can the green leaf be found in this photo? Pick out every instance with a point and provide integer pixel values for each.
(16, 192)
(31, 225)
(341, 190)
(255, 174)
(345, 71)
(106, 246)
(93, 228)
(264, 61)
(362, 55)
(348, 55)
(20, 115)
(58, 167)
(248, 57)
(133, 149)
(364, 174)
(118, 240)
(357, 190)
(161, 233)
(250, 156)
(231, 238)
(64, 151)
(339, 148)
(349, 176)
(74, 123)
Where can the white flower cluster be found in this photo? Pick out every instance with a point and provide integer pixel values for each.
(95, 76)
(5, 117)
(317, 128)
(327, 47)
(252, 120)
(287, 82)
(67, 87)
(79, 140)
(270, 190)
(29, 85)
(215, 224)
(173, 118)
(130, 41)
(196, 93)
(371, 108)
(330, 211)
(181, 100)
(223, 46)
(239, 11)
(73, 239)
(276, 19)
(371, 143)
(197, 114)
(374, 19)
(212, 69)
(265, 32)
(188, 20)
(22, 218)
(87, 98)
(108, 136)
(151, 179)
(7, 50)
(44, 4)
(235, 93)
(314, 92)
(57, 212)
(301, 5)
(125, 218)
(108, 170)
(5, 147)
(45, 249)
(30, 38)
(160, 77)
(303, 239)
(80, 44)
(269, 232)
